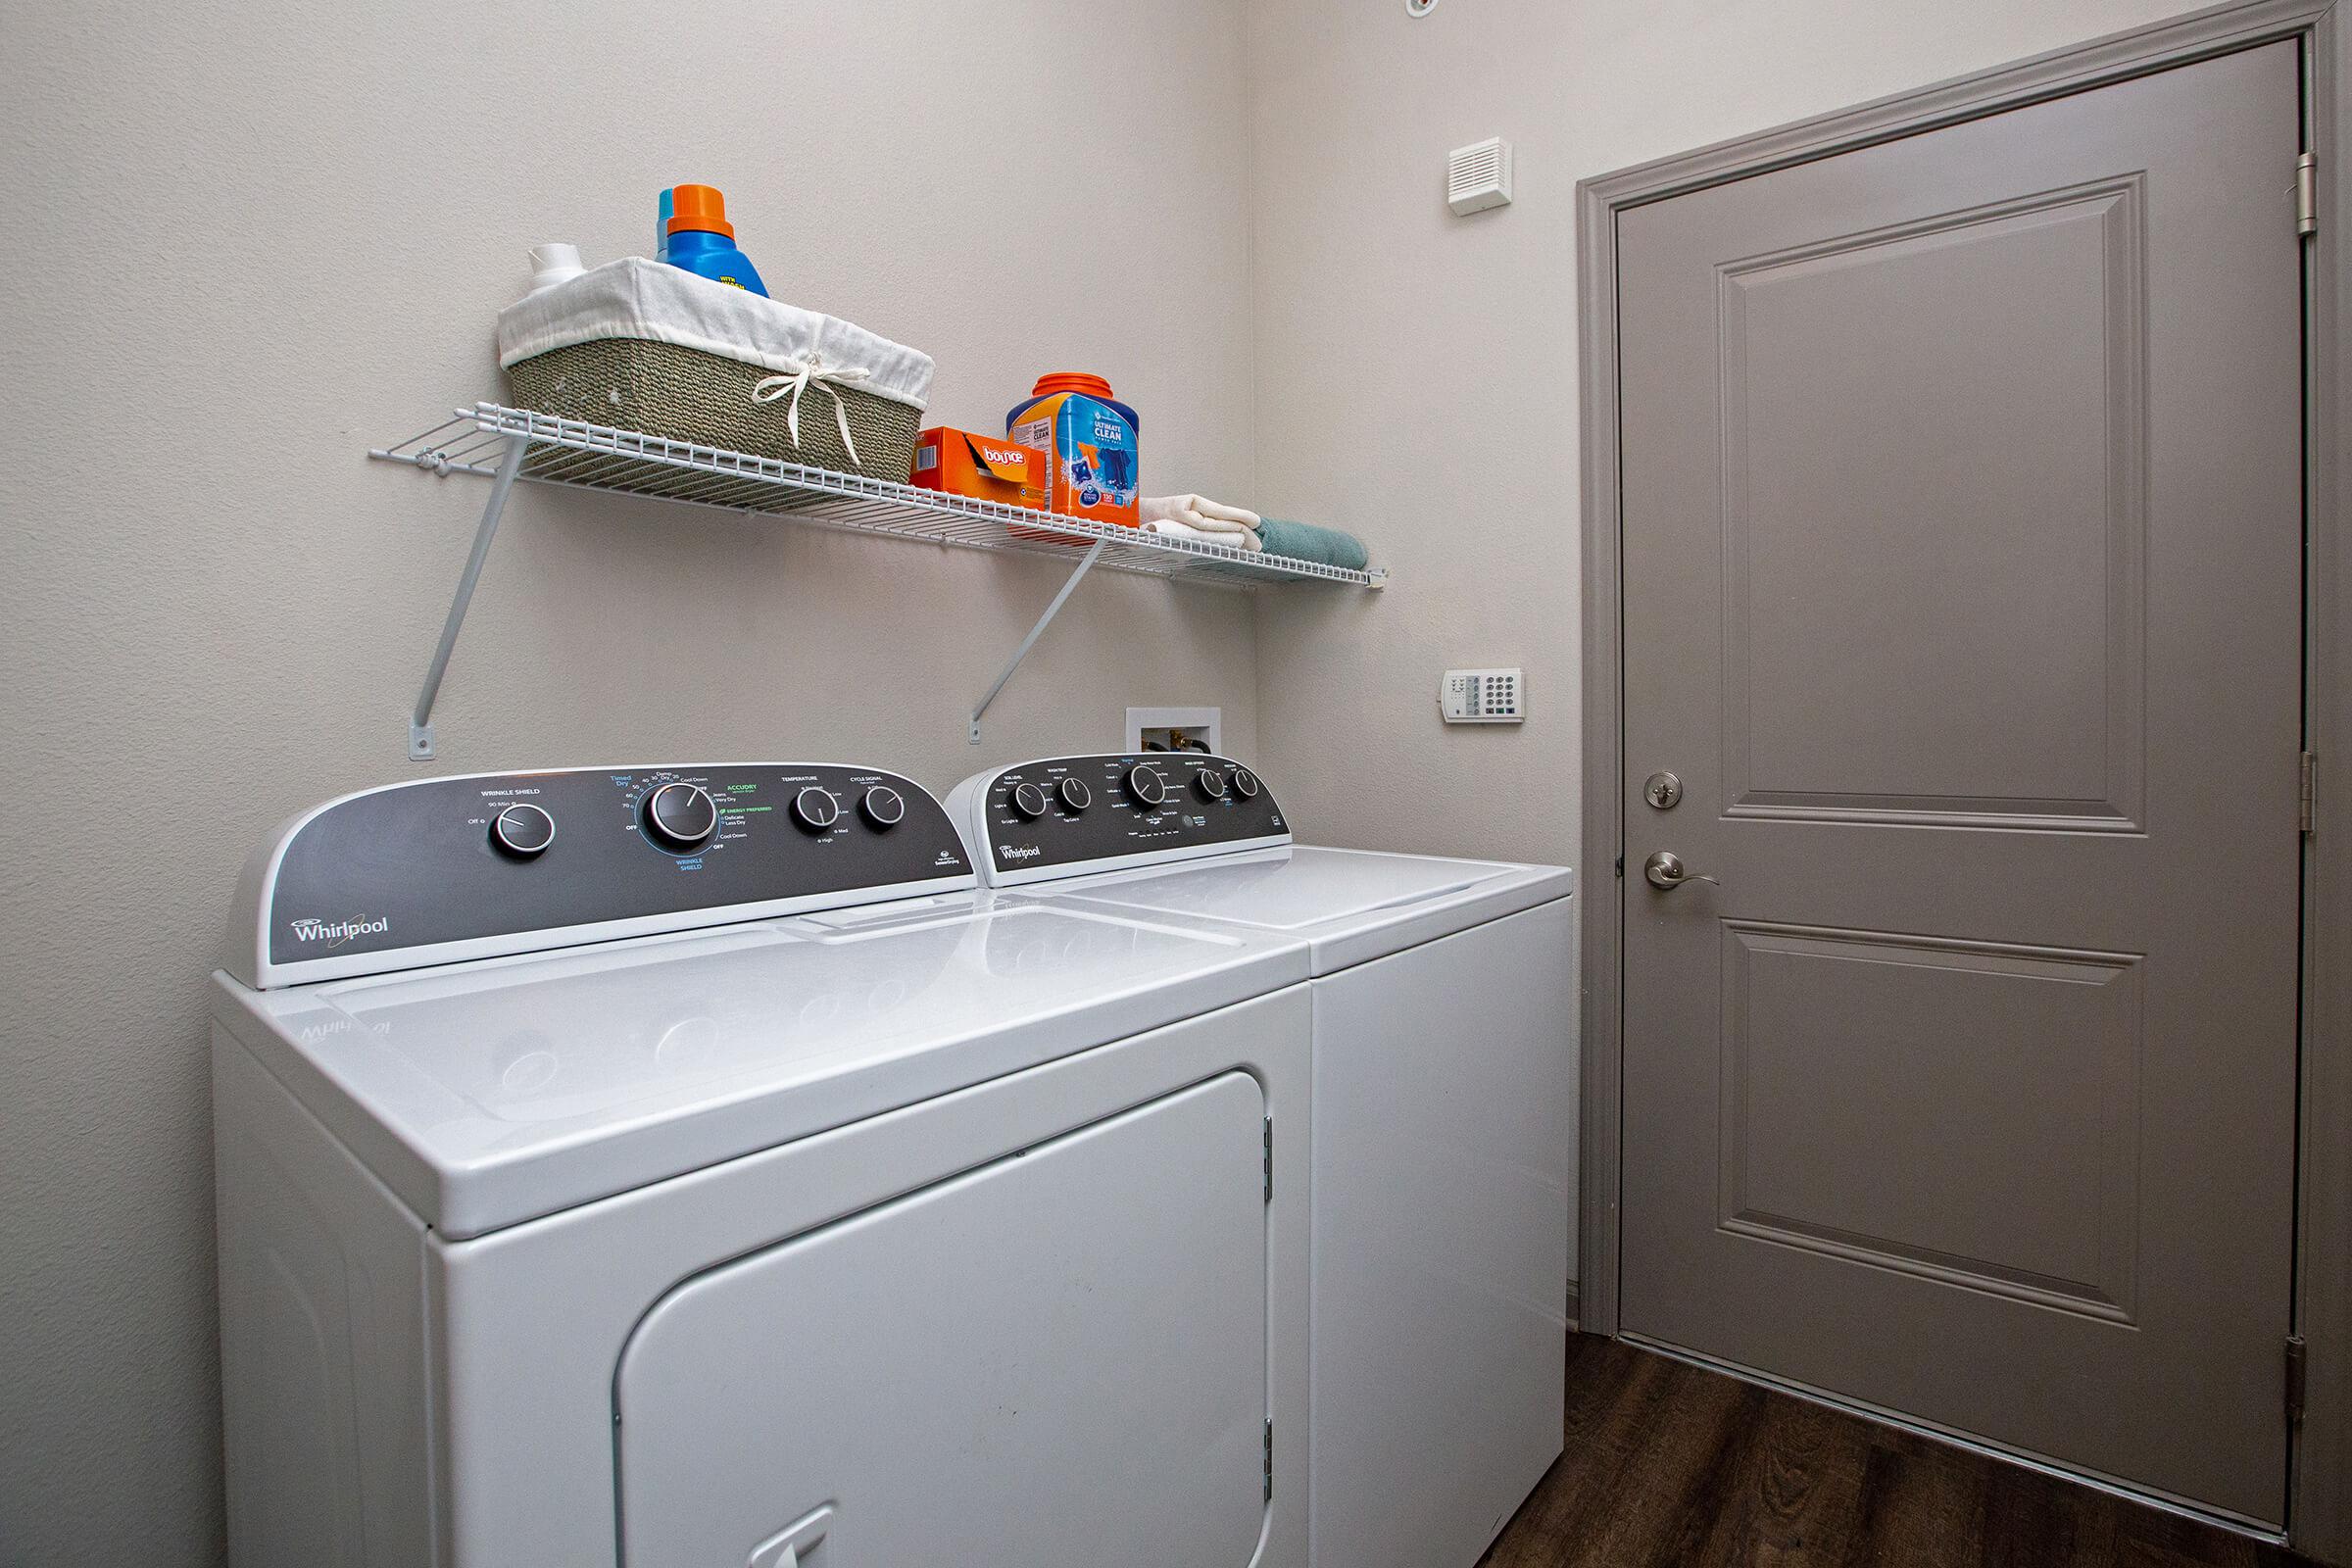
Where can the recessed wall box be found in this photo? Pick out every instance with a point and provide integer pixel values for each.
(1174, 729)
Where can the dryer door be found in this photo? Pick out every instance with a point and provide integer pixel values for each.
(1057, 1359)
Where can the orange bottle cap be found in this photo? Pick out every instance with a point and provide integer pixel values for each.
(698, 208)
(1093, 386)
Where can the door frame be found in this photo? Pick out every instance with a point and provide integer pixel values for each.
(2320, 1494)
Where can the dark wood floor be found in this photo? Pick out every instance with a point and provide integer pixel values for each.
(1670, 1465)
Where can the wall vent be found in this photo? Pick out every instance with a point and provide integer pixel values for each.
(1479, 176)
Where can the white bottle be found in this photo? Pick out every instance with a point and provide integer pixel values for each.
(552, 265)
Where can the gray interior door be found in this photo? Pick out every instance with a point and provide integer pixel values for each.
(1963, 554)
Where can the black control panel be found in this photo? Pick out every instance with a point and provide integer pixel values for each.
(1067, 810)
(501, 856)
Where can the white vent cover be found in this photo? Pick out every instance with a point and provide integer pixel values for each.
(1479, 176)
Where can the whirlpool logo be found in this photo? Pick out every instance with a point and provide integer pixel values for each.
(337, 932)
(1018, 852)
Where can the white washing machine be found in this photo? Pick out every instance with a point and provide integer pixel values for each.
(685, 1166)
(1444, 1146)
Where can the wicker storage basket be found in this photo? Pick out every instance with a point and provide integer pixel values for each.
(645, 347)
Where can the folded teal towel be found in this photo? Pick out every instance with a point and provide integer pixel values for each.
(1304, 541)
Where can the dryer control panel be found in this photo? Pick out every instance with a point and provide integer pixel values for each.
(1065, 816)
(449, 868)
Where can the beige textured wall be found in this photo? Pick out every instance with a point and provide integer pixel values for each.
(1416, 371)
(243, 243)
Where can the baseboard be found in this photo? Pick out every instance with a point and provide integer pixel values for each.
(2097, 1481)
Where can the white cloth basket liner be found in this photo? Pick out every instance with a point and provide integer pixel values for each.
(638, 298)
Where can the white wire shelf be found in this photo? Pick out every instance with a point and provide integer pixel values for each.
(504, 445)
(598, 457)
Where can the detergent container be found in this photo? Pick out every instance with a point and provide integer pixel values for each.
(1089, 438)
(703, 241)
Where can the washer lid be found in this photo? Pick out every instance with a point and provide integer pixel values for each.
(1351, 905)
(491, 1093)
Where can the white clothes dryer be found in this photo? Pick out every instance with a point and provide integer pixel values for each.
(685, 1165)
(1444, 1148)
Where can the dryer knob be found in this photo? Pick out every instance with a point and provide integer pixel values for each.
(1211, 783)
(1244, 783)
(1028, 802)
(523, 831)
(884, 807)
(681, 817)
(815, 808)
(1145, 786)
(1075, 796)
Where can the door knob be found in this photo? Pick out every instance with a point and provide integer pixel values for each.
(1665, 869)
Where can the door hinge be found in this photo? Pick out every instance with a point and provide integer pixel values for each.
(1269, 1458)
(2307, 194)
(2307, 794)
(1269, 1159)
(2296, 1380)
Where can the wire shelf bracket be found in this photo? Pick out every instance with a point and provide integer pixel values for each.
(1092, 554)
(505, 445)
(502, 484)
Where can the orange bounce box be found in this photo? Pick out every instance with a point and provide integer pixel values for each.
(986, 468)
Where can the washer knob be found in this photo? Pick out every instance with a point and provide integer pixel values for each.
(1145, 786)
(815, 808)
(680, 816)
(1028, 802)
(1244, 783)
(1075, 796)
(1211, 783)
(523, 831)
(884, 807)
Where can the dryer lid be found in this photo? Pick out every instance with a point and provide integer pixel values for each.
(492, 1092)
(1351, 905)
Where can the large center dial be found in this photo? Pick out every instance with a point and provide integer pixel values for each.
(1145, 786)
(681, 817)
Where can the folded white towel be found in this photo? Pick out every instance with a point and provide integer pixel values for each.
(1223, 526)
(1211, 509)
(1245, 539)
(1200, 513)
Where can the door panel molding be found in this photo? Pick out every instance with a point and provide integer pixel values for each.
(2108, 730)
(2320, 1480)
(2079, 1181)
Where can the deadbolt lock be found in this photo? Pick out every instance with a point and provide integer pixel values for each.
(1663, 791)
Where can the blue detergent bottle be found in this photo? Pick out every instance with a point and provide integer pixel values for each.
(703, 241)
(662, 227)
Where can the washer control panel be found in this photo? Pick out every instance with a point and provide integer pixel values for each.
(1065, 815)
(448, 868)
